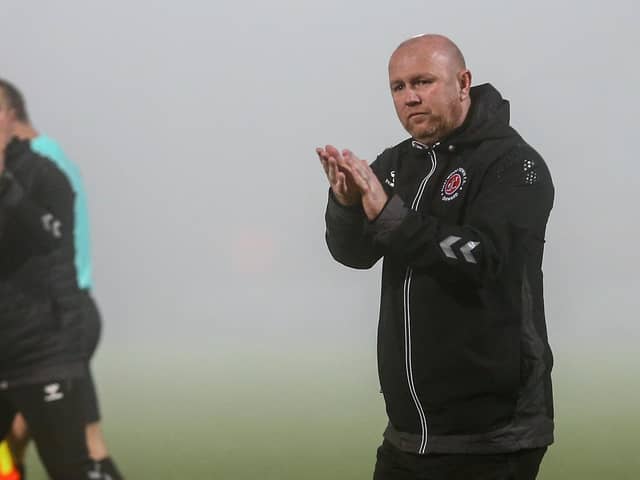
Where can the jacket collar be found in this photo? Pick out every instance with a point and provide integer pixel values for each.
(488, 118)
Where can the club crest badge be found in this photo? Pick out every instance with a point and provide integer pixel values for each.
(453, 185)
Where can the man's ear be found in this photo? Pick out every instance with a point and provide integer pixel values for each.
(464, 83)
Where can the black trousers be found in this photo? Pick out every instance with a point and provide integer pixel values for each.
(55, 413)
(394, 464)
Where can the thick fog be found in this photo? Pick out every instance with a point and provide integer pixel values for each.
(194, 124)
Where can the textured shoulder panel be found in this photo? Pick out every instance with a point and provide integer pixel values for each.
(526, 161)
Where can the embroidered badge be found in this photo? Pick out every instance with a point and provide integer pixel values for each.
(453, 184)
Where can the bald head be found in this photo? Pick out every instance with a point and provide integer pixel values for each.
(437, 45)
(430, 85)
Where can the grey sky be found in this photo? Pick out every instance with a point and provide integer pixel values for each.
(195, 123)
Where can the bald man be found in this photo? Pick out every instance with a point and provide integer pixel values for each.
(458, 213)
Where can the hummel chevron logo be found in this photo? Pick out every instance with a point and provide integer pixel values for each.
(391, 181)
(465, 250)
(446, 245)
(52, 392)
(52, 225)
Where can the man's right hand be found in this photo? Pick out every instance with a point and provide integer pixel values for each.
(344, 189)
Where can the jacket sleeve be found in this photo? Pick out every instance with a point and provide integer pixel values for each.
(513, 203)
(41, 214)
(347, 235)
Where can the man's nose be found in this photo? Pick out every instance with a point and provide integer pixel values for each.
(411, 97)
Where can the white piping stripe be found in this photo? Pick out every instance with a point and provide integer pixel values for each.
(407, 316)
(409, 362)
(421, 188)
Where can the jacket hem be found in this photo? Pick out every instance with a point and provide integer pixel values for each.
(508, 439)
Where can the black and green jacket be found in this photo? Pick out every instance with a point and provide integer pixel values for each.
(43, 332)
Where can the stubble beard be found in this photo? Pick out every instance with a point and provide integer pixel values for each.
(437, 127)
(427, 134)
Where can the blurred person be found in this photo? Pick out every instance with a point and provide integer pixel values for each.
(458, 212)
(49, 323)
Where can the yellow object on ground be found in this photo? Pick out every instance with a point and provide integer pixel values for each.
(7, 468)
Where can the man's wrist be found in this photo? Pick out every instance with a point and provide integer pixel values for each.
(374, 204)
(342, 202)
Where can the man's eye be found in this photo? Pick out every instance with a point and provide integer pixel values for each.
(424, 81)
(397, 88)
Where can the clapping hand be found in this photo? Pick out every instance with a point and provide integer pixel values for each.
(352, 180)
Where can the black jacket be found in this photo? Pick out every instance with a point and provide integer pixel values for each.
(42, 334)
(463, 357)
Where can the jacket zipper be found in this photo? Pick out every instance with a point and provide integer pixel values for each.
(407, 309)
